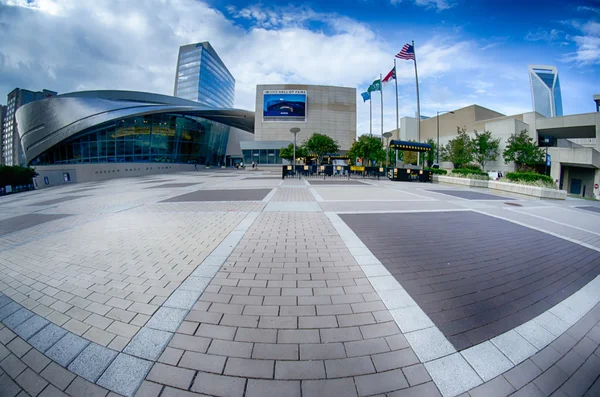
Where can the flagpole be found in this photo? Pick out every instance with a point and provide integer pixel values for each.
(418, 101)
(396, 81)
(381, 90)
(370, 115)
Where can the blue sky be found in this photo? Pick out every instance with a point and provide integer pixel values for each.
(469, 52)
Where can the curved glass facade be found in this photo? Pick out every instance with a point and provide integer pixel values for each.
(163, 138)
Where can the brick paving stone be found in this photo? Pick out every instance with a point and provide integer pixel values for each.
(170, 356)
(149, 389)
(31, 382)
(8, 387)
(202, 362)
(13, 366)
(256, 335)
(394, 359)
(57, 375)
(272, 388)
(416, 374)
(250, 368)
(51, 391)
(349, 367)
(18, 347)
(35, 360)
(81, 387)
(380, 383)
(230, 348)
(299, 370)
(497, 387)
(366, 347)
(187, 342)
(274, 351)
(172, 376)
(225, 386)
(298, 336)
(322, 351)
(216, 331)
(550, 380)
(329, 388)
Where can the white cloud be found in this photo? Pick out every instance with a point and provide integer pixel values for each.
(587, 43)
(544, 35)
(71, 45)
(438, 4)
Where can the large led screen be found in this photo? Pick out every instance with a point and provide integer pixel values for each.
(284, 103)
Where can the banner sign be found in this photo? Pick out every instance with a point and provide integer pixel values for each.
(284, 104)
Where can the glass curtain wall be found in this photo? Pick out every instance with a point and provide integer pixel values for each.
(163, 138)
(261, 156)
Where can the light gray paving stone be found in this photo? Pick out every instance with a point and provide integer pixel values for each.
(181, 299)
(452, 375)
(66, 349)
(47, 337)
(17, 318)
(30, 327)
(550, 322)
(411, 319)
(429, 344)
(4, 300)
(125, 374)
(148, 343)
(384, 283)
(206, 270)
(9, 309)
(535, 334)
(167, 319)
(195, 284)
(514, 346)
(487, 360)
(92, 362)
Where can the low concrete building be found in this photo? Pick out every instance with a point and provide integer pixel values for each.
(574, 151)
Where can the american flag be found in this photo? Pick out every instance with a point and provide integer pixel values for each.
(407, 52)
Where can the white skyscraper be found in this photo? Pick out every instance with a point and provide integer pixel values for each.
(545, 90)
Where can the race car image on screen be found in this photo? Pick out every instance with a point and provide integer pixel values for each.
(282, 105)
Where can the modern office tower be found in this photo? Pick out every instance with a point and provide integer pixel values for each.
(12, 151)
(202, 77)
(2, 115)
(545, 90)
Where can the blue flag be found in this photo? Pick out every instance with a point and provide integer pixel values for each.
(366, 96)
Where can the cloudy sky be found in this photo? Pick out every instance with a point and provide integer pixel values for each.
(469, 51)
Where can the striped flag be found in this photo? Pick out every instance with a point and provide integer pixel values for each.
(391, 75)
(407, 52)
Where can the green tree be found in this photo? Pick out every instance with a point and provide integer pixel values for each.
(320, 145)
(522, 150)
(288, 152)
(430, 155)
(459, 150)
(368, 148)
(485, 148)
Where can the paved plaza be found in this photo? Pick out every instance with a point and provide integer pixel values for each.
(238, 284)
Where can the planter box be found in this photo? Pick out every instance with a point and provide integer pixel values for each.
(526, 190)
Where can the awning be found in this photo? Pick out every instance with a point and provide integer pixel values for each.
(410, 146)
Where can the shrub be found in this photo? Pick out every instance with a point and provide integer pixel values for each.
(436, 171)
(471, 166)
(16, 175)
(466, 171)
(528, 177)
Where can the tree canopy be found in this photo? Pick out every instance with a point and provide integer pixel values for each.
(430, 155)
(320, 145)
(485, 148)
(521, 149)
(459, 150)
(288, 152)
(369, 148)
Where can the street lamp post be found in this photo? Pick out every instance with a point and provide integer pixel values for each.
(387, 136)
(295, 131)
(437, 145)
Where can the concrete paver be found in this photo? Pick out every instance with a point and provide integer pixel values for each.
(271, 296)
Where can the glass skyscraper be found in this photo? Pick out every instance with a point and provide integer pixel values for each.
(545, 90)
(202, 77)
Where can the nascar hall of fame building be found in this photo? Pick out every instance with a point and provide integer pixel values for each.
(327, 110)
